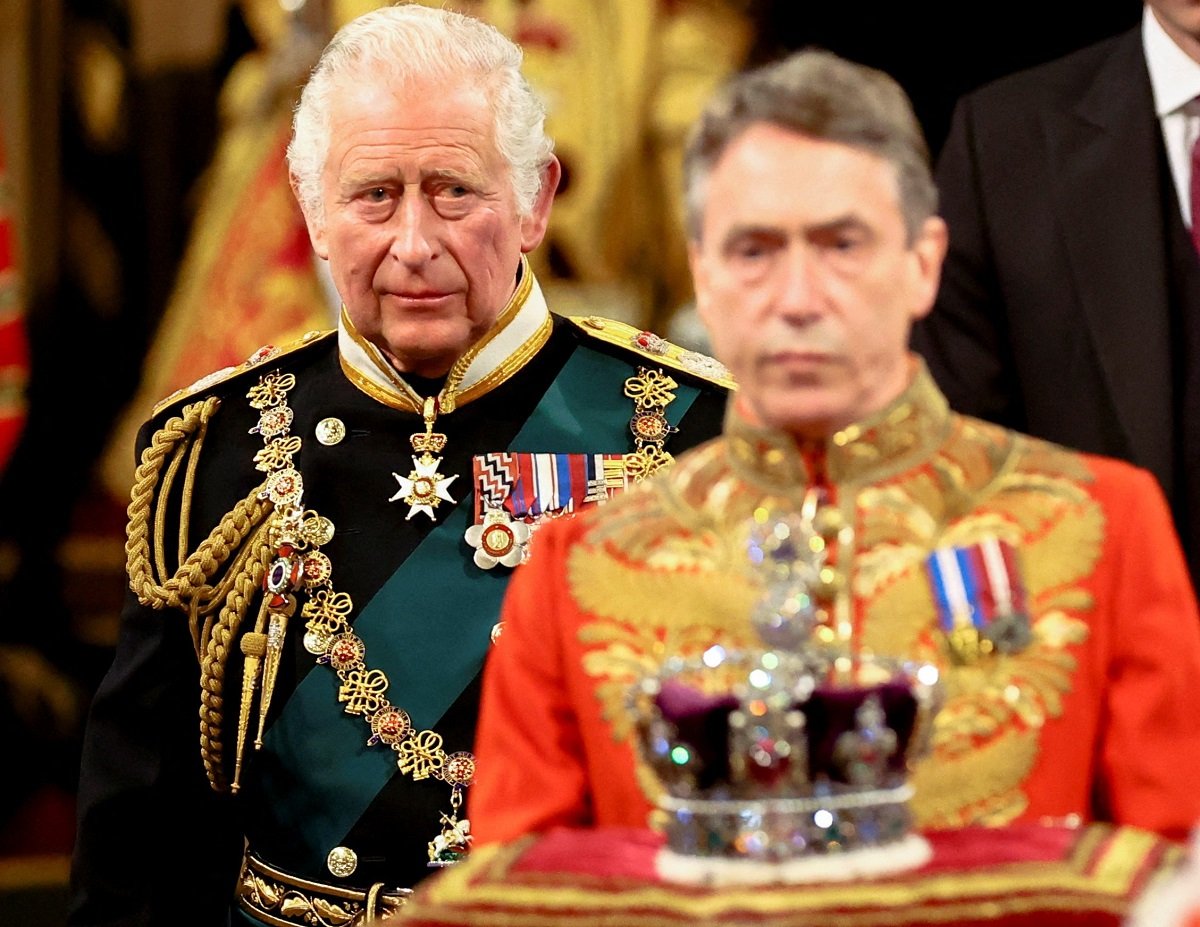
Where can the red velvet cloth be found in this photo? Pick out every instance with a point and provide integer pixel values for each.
(1020, 876)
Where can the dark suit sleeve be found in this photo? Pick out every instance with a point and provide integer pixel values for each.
(965, 339)
(155, 845)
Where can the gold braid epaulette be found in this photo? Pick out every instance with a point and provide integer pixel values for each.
(655, 349)
(215, 610)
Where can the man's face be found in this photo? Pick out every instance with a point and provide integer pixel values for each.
(421, 227)
(805, 280)
(1180, 20)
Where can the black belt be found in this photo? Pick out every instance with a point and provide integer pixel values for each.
(277, 898)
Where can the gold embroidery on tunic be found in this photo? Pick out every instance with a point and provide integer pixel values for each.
(660, 575)
(967, 789)
(986, 737)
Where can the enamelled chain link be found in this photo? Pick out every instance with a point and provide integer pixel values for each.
(301, 567)
(651, 392)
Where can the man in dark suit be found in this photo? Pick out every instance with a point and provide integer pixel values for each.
(1068, 306)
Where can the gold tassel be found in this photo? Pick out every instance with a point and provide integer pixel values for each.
(275, 637)
(254, 646)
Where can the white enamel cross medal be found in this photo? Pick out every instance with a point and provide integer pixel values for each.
(425, 488)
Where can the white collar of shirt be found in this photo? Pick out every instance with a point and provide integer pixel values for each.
(1175, 81)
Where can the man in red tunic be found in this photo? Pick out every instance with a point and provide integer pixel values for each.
(1047, 585)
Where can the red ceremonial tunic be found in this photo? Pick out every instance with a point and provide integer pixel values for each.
(1093, 718)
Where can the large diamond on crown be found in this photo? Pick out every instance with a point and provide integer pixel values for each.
(788, 762)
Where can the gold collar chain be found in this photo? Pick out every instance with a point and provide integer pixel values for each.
(301, 567)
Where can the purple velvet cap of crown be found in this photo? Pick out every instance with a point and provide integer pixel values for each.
(701, 721)
(831, 712)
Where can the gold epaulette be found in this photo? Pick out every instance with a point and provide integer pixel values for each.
(656, 349)
(266, 353)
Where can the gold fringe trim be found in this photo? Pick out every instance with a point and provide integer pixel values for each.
(1101, 873)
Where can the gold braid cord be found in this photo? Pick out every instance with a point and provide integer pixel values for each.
(215, 610)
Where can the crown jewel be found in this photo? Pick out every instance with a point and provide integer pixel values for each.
(788, 762)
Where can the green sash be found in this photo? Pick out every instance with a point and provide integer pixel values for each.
(323, 776)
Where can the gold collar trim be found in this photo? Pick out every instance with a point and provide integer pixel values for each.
(521, 330)
(906, 431)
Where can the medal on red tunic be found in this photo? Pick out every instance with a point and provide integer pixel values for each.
(980, 598)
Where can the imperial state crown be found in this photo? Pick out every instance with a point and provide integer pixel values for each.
(789, 762)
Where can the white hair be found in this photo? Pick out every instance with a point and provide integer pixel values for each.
(409, 41)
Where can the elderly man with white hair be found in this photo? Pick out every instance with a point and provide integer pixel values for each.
(319, 538)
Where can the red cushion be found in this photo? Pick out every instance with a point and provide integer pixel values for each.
(1021, 876)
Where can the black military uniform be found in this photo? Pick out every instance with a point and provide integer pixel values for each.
(338, 807)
